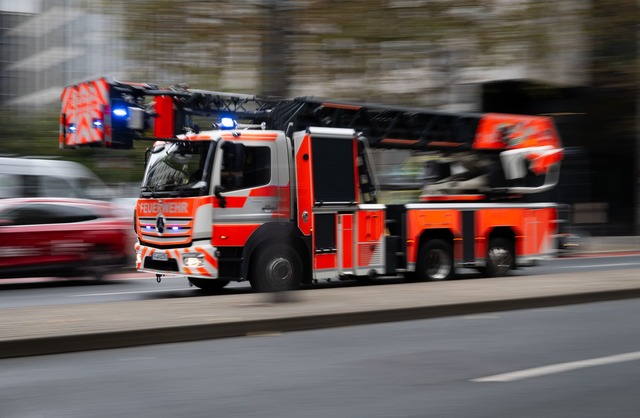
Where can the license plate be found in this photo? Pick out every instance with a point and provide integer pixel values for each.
(160, 256)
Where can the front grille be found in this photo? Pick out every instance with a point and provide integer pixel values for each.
(169, 265)
(177, 231)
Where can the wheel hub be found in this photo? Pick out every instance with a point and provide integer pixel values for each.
(279, 270)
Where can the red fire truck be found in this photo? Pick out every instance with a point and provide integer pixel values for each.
(283, 192)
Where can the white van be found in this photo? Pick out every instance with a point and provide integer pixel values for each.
(31, 177)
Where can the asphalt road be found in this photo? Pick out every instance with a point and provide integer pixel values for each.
(565, 362)
(137, 286)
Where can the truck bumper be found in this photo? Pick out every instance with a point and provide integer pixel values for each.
(194, 261)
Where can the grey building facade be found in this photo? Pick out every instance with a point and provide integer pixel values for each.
(47, 45)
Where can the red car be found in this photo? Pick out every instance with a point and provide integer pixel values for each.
(62, 237)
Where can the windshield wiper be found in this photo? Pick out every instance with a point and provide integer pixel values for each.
(191, 189)
(149, 189)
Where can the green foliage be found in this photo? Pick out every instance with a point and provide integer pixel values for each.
(36, 135)
(32, 134)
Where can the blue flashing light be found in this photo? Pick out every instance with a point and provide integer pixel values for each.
(175, 228)
(227, 123)
(97, 123)
(120, 112)
(148, 227)
(72, 128)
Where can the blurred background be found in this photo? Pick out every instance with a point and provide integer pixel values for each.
(576, 60)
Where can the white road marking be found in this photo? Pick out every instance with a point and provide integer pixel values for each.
(598, 265)
(264, 334)
(559, 368)
(481, 316)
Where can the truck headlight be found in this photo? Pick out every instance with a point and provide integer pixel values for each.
(193, 260)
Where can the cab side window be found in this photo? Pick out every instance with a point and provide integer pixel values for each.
(255, 170)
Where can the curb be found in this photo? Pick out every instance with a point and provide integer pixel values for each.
(162, 335)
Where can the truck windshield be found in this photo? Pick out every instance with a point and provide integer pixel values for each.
(178, 169)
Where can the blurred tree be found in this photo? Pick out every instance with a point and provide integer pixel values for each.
(276, 71)
(26, 133)
(193, 42)
(360, 48)
(406, 51)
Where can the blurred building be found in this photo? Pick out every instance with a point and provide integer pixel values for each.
(47, 45)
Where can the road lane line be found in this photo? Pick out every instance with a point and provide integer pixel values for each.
(559, 368)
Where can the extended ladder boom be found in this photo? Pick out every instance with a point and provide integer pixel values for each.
(106, 112)
(85, 118)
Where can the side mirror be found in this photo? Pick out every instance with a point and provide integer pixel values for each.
(217, 192)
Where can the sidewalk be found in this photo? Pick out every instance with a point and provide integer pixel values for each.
(69, 328)
(610, 244)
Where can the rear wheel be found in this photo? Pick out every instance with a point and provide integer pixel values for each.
(500, 257)
(435, 261)
(276, 268)
(208, 285)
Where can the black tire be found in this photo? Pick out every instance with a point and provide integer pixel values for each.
(276, 268)
(208, 285)
(435, 261)
(500, 257)
(100, 263)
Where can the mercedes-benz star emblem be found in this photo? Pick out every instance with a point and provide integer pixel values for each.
(160, 224)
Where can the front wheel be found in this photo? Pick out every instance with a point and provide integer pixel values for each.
(435, 261)
(276, 268)
(208, 285)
